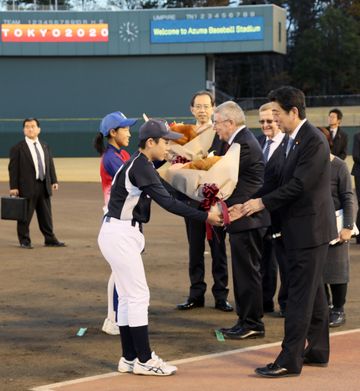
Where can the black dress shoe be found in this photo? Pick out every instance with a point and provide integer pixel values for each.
(242, 333)
(190, 304)
(336, 318)
(26, 246)
(55, 244)
(223, 305)
(310, 363)
(274, 370)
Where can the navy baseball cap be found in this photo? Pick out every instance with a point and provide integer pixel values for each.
(115, 120)
(156, 128)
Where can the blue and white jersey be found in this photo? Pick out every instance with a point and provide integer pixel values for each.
(135, 184)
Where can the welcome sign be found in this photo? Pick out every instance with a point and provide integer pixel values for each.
(211, 30)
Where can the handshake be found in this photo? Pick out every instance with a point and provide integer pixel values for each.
(236, 212)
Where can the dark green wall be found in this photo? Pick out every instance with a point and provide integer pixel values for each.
(71, 95)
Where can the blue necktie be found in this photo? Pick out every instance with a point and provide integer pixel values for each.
(40, 164)
(267, 149)
(290, 144)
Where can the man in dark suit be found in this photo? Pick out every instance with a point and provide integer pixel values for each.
(339, 137)
(307, 226)
(32, 175)
(356, 173)
(202, 106)
(246, 235)
(273, 143)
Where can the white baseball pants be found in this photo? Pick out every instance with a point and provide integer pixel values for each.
(121, 245)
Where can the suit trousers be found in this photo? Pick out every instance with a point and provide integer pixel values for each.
(307, 313)
(196, 235)
(280, 254)
(41, 203)
(246, 252)
(268, 272)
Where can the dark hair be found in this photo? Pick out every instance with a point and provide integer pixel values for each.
(98, 143)
(31, 119)
(204, 92)
(142, 143)
(338, 113)
(288, 97)
(327, 134)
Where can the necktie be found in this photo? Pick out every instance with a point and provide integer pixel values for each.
(333, 134)
(40, 164)
(290, 144)
(267, 149)
(226, 147)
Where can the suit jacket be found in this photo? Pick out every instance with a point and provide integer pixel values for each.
(22, 169)
(356, 155)
(272, 176)
(339, 147)
(250, 180)
(304, 196)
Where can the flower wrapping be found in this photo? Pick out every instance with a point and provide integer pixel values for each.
(224, 174)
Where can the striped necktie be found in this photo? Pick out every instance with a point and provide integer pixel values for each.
(267, 149)
(289, 145)
(40, 164)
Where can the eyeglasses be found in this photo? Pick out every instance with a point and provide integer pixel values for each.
(268, 121)
(205, 107)
(220, 122)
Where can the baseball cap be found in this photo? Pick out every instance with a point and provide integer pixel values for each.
(115, 120)
(155, 128)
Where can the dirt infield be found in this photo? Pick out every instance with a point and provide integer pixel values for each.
(47, 294)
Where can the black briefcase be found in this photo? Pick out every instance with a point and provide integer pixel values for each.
(14, 208)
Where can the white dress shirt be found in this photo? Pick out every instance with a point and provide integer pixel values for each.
(277, 140)
(31, 146)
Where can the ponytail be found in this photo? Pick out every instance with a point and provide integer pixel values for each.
(98, 143)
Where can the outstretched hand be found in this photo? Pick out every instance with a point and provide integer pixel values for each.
(215, 218)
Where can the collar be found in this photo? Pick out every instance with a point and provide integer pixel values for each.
(296, 131)
(31, 141)
(110, 146)
(278, 138)
(231, 139)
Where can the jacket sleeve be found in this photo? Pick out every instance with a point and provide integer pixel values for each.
(313, 158)
(14, 167)
(356, 149)
(344, 143)
(160, 195)
(346, 195)
(52, 171)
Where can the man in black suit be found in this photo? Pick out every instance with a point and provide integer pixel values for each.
(202, 106)
(356, 173)
(307, 226)
(273, 143)
(32, 175)
(246, 235)
(339, 137)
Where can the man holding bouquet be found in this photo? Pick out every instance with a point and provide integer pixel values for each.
(202, 107)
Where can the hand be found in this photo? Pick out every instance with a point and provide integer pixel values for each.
(55, 186)
(236, 212)
(253, 206)
(215, 218)
(345, 235)
(14, 192)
